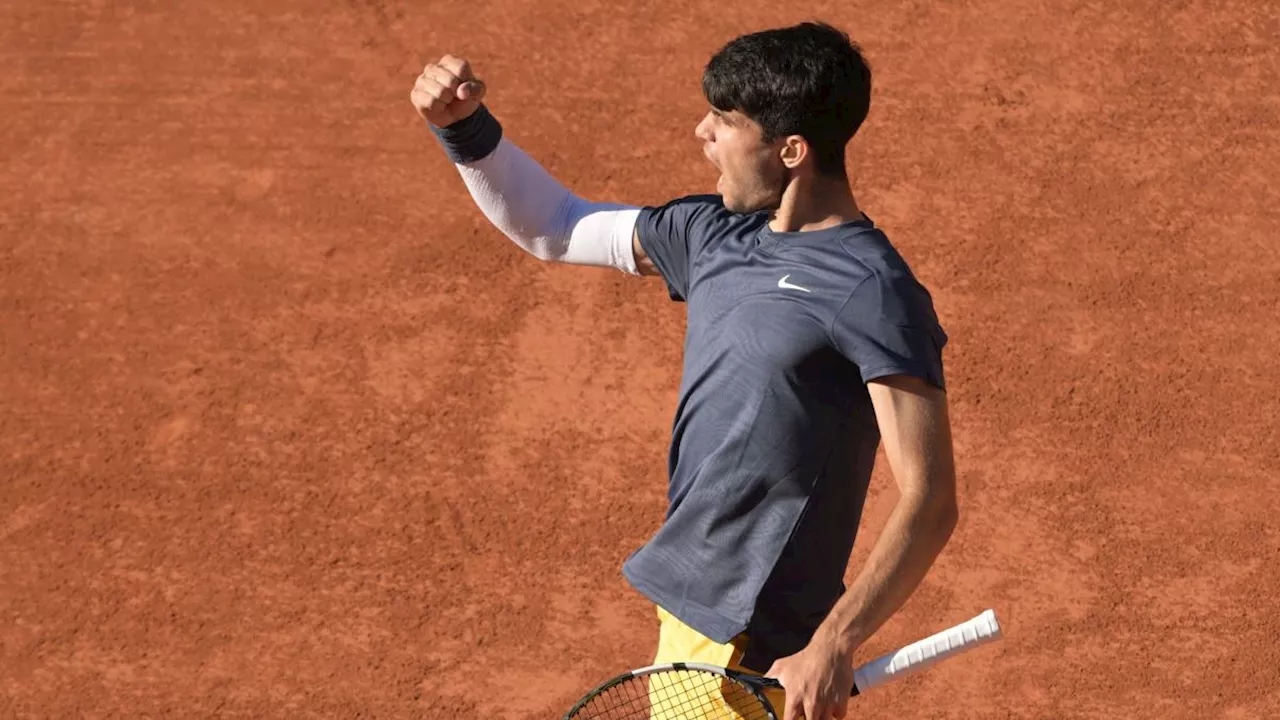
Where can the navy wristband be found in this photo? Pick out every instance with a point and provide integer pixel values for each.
(472, 138)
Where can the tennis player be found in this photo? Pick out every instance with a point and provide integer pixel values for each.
(810, 343)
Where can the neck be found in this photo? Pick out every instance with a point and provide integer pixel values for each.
(815, 203)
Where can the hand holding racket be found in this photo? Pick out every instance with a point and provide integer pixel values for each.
(692, 691)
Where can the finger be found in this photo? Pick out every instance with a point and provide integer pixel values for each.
(429, 101)
(456, 74)
(443, 76)
(471, 90)
(460, 68)
(431, 88)
(424, 104)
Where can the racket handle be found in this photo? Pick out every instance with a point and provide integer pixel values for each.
(919, 655)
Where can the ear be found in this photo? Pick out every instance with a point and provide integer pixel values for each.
(794, 151)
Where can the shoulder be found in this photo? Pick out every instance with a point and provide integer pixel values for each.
(686, 212)
(887, 288)
(695, 222)
(690, 203)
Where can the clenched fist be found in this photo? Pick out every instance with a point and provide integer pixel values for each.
(447, 91)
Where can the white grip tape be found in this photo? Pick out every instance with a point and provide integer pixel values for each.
(918, 655)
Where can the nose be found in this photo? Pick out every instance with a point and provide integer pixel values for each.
(703, 130)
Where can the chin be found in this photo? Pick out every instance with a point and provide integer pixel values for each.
(736, 204)
(746, 203)
(732, 201)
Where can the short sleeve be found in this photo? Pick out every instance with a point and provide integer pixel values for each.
(888, 327)
(673, 234)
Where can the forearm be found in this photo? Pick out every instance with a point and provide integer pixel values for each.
(531, 207)
(914, 535)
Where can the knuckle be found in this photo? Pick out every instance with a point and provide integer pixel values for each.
(457, 65)
(443, 76)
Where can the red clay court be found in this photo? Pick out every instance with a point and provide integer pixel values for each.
(287, 429)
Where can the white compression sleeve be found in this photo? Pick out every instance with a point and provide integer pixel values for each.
(541, 216)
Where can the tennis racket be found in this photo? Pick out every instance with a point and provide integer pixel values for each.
(689, 691)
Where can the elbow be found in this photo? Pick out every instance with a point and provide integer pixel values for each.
(945, 516)
(934, 516)
(540, 245)
(938, 514)
(543, 251)
(947, 519)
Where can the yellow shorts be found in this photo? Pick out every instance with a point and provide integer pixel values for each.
(678, 642)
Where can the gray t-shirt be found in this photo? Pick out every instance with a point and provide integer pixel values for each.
(774, 436)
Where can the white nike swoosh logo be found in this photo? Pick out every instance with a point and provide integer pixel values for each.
(782, 283)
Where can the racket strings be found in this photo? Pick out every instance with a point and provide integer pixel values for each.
(675, 695)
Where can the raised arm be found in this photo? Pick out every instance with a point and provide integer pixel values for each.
(513, 191)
